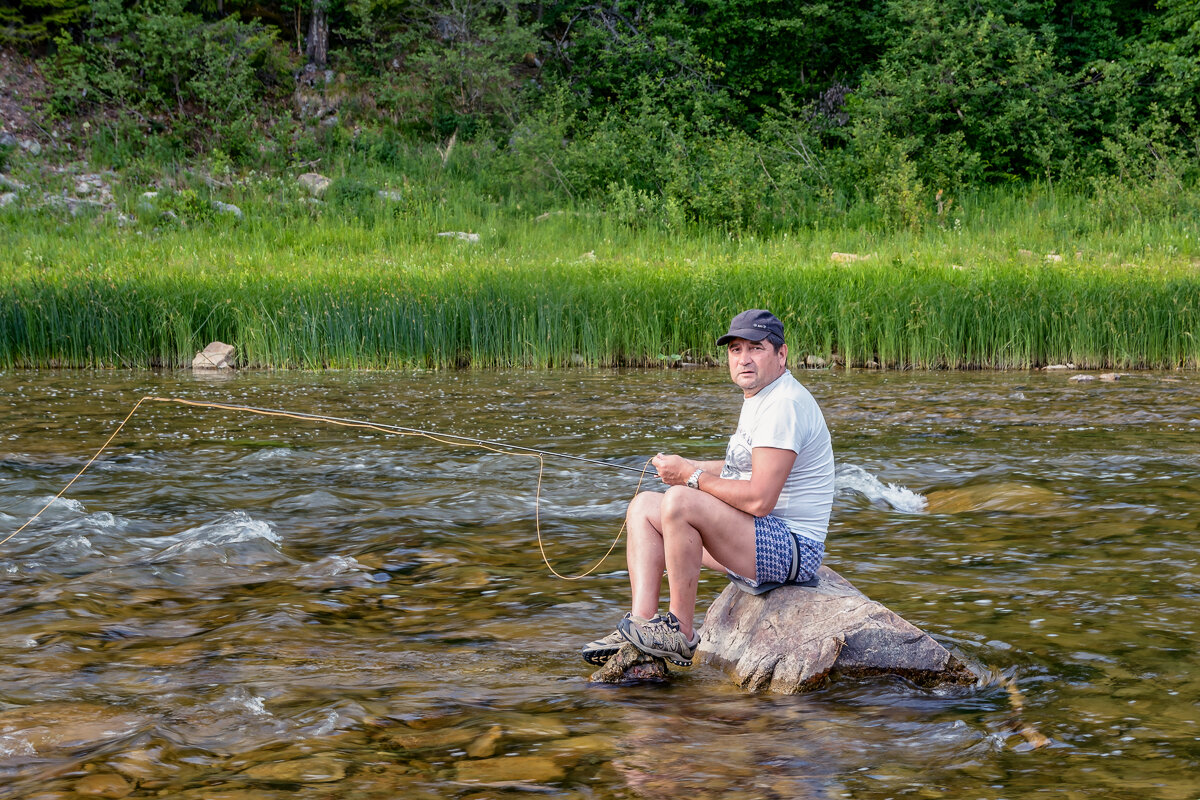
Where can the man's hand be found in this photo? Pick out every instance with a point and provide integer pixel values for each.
(674, 470)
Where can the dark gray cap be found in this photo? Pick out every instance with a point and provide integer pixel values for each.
(754, 325)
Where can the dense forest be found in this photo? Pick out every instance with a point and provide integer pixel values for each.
(747, 114)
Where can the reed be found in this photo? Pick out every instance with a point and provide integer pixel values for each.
(364, 282)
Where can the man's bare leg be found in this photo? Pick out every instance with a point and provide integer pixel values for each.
(679, 531)
(644, 554)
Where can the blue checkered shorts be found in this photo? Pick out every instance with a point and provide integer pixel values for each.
(781, 556)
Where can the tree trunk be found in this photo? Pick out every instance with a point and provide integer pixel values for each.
(318, 34)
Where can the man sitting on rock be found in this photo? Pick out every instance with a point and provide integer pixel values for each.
(760, 515)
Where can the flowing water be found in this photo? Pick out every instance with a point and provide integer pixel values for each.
(231, 606)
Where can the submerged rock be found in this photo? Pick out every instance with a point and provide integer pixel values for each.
(789, 640)
(510, 769)
(485, 746)
(1008, 496)
(317, 769)
(106, 784)
(50, 729)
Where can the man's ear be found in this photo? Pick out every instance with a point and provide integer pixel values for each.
(783, 352)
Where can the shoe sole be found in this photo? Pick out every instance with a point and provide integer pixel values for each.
(600, 655)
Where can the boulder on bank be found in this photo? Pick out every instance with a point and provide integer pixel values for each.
(789, 640)
(217, 355)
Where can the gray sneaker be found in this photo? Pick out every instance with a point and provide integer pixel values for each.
(660, 637)
(601, 650)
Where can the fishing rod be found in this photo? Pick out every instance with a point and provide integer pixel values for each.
(411, 431)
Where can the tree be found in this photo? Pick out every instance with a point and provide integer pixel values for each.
(317, 49)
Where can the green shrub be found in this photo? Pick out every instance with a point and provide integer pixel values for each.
(165, 69)
(975, 95)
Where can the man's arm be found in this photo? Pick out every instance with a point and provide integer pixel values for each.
(758, 496)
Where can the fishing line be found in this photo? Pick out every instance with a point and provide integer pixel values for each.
(449, 439)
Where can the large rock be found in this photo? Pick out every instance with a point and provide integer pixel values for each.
(217, 355)
(789, 640)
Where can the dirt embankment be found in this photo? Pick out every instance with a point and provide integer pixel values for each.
(22, 99)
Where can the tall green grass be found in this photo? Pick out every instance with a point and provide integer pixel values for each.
(363, 282)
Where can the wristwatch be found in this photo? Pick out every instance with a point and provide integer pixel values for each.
(694, 481)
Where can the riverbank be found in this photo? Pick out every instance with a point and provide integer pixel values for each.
(376, 273)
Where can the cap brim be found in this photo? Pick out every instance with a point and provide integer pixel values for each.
(753, 335)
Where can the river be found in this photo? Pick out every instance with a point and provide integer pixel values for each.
(232, 606)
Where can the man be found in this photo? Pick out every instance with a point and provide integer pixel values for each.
(760, 515)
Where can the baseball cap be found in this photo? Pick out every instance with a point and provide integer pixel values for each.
(754, 325)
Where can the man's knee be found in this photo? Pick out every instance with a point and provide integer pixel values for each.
(678, 503)
(643, 506)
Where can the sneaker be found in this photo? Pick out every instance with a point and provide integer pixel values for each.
(660, 637)
(601, 650)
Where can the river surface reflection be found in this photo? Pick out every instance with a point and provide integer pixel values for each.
(230, 606)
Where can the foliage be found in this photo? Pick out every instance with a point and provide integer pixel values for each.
(168, 69)
(963, 92)
(33, 23)
(1016, 279)
(750, 116)
(768, 47)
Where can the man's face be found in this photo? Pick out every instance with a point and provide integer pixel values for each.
(753, 365)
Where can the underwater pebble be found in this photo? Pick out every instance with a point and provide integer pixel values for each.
(534, 769)
(302, 770)
(103, 785)
(485, 745)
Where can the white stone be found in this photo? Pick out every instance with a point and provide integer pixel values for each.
(463, 235)
(227, 208)
(217, 355)
(314, 183)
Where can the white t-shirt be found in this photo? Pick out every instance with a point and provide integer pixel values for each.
(784, 415)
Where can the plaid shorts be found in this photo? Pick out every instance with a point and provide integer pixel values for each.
(781, 556)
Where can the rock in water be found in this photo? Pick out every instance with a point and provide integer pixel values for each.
(630, 665)
(789, 640)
